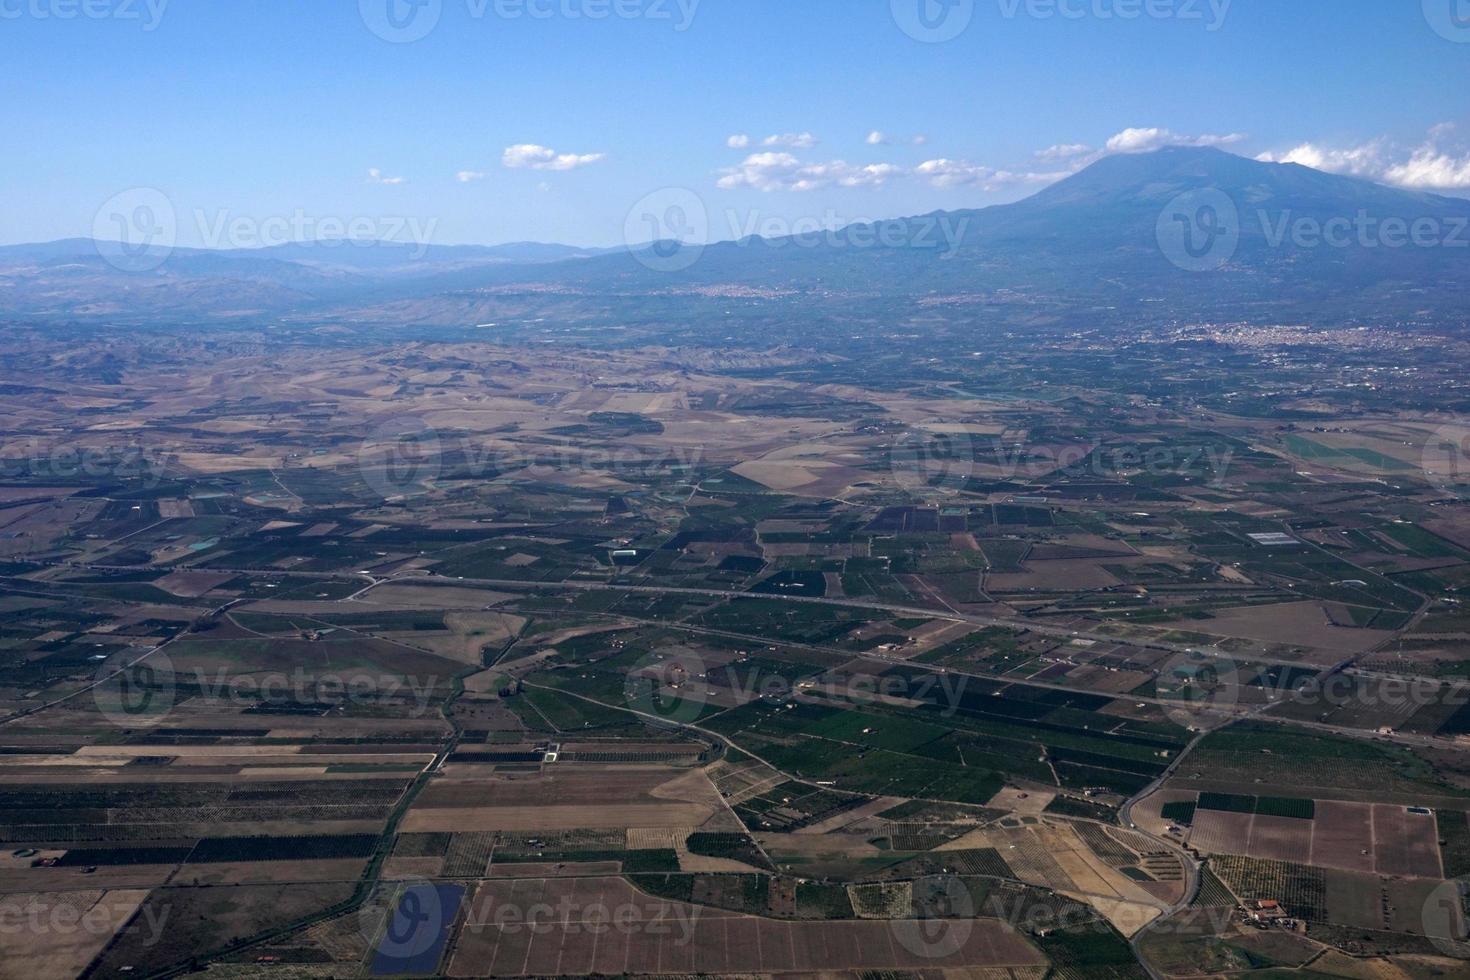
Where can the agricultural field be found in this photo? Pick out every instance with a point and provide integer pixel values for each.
(448, 626)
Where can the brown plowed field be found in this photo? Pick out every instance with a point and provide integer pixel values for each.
(1384, 838)
(659, 936)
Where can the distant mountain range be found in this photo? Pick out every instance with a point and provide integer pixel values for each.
(365, 256)
(1181, 233)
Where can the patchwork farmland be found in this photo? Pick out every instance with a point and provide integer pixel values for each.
(708, 652)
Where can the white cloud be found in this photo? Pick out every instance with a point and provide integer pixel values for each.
(529, 156)
(790, 141)
(1142, 140)
(879, 138)
(1429, 166)
(794, 141)
(1229, 139)
(873, 175)
(944, 173)
(763, 171)
(469, 176)
(1359, 161)
(1139, 140)
(1431, 169)
(780, 171)
(1076, 156)
(952, 173)
(1063, 151)
(375, 176)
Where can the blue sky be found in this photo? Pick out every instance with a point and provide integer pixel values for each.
(248, 111)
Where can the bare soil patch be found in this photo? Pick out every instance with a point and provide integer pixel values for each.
(692, 939)
(82, 924)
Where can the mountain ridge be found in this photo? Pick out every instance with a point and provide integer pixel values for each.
(1103, 239)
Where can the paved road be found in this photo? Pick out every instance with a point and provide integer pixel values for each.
(1192, 867)
(1257, 712)
(928, 612)
(1125, 813)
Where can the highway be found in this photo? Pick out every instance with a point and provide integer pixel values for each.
(927, 612)
(1017, 623)
(1192, 867)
